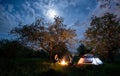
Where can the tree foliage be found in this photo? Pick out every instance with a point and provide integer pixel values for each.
(82, 49)
(104, 33)
(49, 36)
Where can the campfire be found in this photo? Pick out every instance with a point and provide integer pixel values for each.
(63, 62)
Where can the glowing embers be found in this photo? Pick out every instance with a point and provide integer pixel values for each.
(63, 62)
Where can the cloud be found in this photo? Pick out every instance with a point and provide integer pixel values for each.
(10, 17)
(117, 1)
(61, 3)
(104, 7)
(10, 8)
(26, 12)
(7, 20)
(64, 7)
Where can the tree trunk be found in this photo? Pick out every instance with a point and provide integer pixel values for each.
(51, 58)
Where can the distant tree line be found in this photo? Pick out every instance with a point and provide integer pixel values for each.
(13, 49)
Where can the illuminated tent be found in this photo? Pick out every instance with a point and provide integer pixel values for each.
(89, 59)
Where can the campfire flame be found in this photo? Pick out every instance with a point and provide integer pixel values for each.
(63, 62)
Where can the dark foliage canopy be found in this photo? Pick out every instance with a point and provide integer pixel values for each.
(104, 33)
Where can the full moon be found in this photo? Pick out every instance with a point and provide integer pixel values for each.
(51, 13)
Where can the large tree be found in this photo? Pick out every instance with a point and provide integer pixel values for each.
(104, 34)
(51, 37)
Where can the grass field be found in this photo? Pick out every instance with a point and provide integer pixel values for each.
(43, 67)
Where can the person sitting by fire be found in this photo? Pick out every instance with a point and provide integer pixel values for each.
(56, 58)
(70, 60)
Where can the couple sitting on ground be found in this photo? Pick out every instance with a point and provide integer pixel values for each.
(67, 58)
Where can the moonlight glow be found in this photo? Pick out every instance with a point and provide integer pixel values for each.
(51, 13)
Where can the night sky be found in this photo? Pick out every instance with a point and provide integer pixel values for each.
(76, 13)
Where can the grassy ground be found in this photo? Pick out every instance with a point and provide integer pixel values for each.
(43, 67)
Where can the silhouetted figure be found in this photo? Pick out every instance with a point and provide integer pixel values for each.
(71, 60)
(56, 58)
